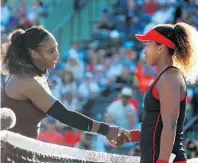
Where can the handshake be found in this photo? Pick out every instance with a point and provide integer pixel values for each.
(119, 136)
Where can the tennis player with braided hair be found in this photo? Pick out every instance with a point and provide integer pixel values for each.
(26, 58)
(173, 49)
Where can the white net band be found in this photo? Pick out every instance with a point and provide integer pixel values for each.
(64, 153)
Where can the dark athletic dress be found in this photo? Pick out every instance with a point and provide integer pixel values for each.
(27, 114)
(152, 127)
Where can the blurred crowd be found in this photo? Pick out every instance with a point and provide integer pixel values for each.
(107, 78)
(16, 14)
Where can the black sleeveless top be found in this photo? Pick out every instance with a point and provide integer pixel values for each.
(27, 114)
(152, 128)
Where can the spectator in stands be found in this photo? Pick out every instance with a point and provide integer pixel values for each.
(72, 137)
(115, 41)
(132, 101)
(116, 67)
(86, 142)
(56, 86)
(75, 51)
(126, 78)
(69, 99)
(99, 75)
(145, 76)
(92, 55)
(107, 63)
(121, 112)
(76, 67)
(106, 20)
(129, 56)
(88, 88)
(68, 83)
(150, 6)
(90, 141)
(166, 12)
(50, 135)
(101, 55)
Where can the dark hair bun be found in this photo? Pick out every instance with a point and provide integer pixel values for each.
(18, 38)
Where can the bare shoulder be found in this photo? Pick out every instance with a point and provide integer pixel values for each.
(172, 76)
(29, 83)
(18, 85)
(25, 83)
(172, 79)
(32, 84)
(33, 89)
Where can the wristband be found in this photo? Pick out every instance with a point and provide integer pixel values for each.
(161, 161)
(103, 129)
(135, 135)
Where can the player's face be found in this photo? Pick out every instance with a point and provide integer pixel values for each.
(151, 52)
(47, 54)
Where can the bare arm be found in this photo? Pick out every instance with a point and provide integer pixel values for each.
(41, 98)
(169, 94)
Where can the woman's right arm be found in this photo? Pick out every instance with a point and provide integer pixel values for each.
(47, 103)
(50, 105)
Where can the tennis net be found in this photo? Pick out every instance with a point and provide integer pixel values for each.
(16, 148)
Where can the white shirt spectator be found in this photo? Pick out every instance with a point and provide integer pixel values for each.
(73, 53)
(88, 88)
(99, 75)
(68, 83)
(120, 112)
(76, 67)
(70, 87)
(71, 102)
(166, 14)
(115, 70)
(116, 67)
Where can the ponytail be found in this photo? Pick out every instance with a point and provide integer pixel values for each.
(15, 58)
(186, 52)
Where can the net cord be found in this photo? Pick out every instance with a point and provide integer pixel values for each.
(48, 149)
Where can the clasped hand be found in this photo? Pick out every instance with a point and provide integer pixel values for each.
(118, 136)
